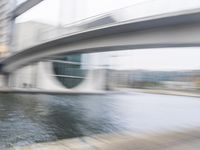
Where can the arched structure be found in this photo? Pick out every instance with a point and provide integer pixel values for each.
(180, 29)
(170, 30)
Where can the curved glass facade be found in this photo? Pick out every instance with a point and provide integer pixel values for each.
(68, 70)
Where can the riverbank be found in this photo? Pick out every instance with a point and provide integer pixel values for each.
(163, 92)
(118, 90)
(54, 92)
(182, 140)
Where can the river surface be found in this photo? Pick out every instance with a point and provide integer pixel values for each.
(27, 119)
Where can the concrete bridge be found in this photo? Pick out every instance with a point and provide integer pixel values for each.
(180, 29)
(167, 30)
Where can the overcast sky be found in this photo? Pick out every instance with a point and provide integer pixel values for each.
(65, 11)
(157, 59)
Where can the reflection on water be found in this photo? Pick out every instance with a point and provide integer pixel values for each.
(26, 119)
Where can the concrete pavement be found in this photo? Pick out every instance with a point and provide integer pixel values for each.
(183, 140)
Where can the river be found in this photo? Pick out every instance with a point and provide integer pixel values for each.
(27, 119)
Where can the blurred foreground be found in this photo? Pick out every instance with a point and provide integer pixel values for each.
(187, 140)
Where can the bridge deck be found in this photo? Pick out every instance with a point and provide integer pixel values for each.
(174, 30)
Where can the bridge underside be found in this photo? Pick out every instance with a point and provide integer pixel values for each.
(164, 32)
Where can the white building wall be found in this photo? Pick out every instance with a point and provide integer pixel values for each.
(72, 10)
(38, 76)
(95, 80)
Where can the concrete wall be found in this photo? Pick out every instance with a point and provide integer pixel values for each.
(95, 80)
(39, 75)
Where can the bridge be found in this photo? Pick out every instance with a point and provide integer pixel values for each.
(54, 65)
(171, 29)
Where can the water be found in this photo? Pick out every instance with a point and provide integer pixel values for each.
(27, 119)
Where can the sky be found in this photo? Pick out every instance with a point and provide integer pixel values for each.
(53, 11)
(65, 11)
(166, 59)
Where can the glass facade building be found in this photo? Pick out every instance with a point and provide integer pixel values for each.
(69, 71)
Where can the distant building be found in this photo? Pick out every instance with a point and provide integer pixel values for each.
(31, 33)
(178, 85)
(28, 34)
(66, 71)
(6, 7)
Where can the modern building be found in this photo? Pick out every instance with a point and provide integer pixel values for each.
(59, 72)
(65, 72)
(6, 6)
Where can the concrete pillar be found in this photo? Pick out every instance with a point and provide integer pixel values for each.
(4, 81)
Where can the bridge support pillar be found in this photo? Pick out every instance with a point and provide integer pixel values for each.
(4, 81)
